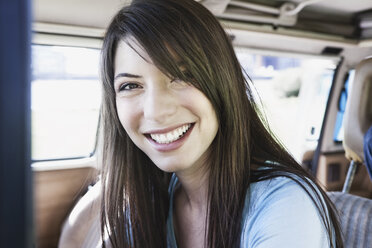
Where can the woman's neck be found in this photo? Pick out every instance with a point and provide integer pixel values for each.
(193, 188)
(190, 208)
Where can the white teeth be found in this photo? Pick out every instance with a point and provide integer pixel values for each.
(162, 138)
(176, 133)
(171, 136)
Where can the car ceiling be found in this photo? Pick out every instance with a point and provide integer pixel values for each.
(337, 17)
(345, 26)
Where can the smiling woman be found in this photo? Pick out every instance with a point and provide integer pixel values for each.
(187, 160)
(157, 114)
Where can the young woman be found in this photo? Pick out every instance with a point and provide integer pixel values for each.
(187, 158)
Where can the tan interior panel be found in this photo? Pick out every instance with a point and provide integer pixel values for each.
(55, 193)
(332, 170)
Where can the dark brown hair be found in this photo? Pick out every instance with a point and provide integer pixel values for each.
(135, 198)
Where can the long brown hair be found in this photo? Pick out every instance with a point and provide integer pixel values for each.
(135, 199)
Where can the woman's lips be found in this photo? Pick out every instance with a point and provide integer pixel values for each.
(172, 140)
(170, 136)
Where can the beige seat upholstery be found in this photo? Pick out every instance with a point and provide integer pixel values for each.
(358, 113)
(358, 118)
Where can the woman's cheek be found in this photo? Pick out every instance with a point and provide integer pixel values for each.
(129, 115)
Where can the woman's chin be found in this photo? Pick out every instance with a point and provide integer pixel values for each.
(170, 168)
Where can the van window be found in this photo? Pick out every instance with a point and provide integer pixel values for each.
(65, 101)
(338, 135)
(293, 91)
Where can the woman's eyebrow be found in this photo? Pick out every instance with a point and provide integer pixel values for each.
(127, 75)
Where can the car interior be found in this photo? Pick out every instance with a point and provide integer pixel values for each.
(66, 187)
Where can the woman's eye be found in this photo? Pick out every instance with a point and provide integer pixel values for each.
(128, 86)
(177, 80)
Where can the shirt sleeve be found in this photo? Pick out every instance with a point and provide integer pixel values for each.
(282, 214)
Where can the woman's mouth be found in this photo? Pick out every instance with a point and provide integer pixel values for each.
(172, 136)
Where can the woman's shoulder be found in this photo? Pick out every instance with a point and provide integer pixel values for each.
(280, 212)
(276, 188)
(82, 227)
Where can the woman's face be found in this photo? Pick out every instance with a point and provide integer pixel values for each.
(168, 119)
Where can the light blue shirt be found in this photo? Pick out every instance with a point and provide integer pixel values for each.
(277, 213)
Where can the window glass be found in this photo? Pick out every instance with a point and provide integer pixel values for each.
(338, 135)
(293, 92)
(65, 101)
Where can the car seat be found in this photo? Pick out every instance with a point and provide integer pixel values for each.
(358, 118)
(356, 212)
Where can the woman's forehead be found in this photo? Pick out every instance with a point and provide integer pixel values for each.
(130, 58)
(138, 47)
(129, 45)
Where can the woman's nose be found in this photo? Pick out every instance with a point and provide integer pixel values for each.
(159, 104)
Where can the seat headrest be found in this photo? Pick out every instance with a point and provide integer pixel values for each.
(358, 112)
